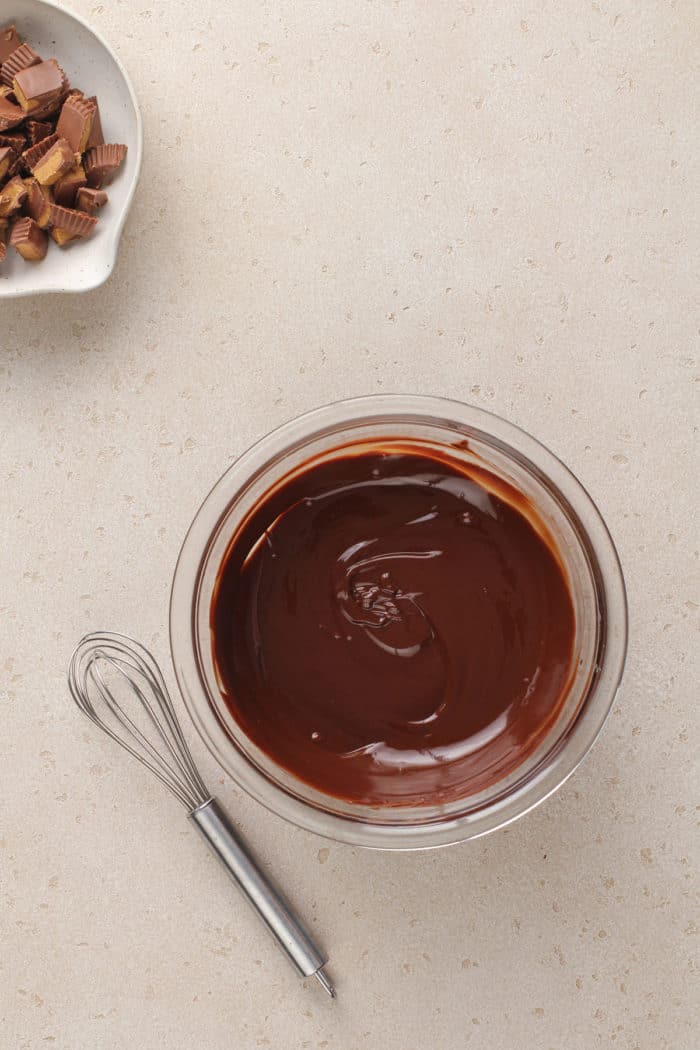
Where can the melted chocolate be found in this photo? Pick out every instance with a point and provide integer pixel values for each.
(393, 627)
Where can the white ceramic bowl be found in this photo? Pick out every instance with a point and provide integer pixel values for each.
(91, 65)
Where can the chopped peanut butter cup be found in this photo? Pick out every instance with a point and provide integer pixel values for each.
(39, 202)
(53, 156)
(33, 155)
(29, 239)
(12, 196)
(15, 142)
(66, 188)
(54, 164)
(39, 86)
(75, 122)
(70, 222)
(7, 159)
(38, 130)
(102, 164)
(10, 114)
(9, 42)
(90, 200)
(22, 58)
(96, 135)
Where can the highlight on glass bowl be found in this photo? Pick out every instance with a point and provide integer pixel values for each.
(70, 151)
(398, 621)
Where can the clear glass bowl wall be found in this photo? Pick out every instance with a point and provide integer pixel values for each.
(589, 560)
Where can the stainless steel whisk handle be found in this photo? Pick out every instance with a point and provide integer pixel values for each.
(225, 841)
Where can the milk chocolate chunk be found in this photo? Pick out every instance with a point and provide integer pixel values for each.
(9, 42)
(33, 155)
(54, 164)
(89, 200)
(10, 114)
(22, 58)
(39, 86)
(75, 122)
(102, 164)
(8, 157)
(66, 188)
(38, 130)
(38, 202)
(12, 196)
(29, 239)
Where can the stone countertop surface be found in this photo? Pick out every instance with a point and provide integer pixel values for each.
(491, 201)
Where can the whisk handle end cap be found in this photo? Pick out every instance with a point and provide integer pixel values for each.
(322, 978)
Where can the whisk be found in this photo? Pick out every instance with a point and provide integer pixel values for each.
(119, 686)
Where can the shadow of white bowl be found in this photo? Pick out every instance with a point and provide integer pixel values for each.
(91, 65)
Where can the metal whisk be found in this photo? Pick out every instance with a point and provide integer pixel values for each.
(119, 686)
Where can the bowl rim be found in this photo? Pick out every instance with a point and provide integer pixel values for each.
(526, 796)
(105, 272)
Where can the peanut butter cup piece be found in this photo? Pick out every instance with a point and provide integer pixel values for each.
(75, 122)
(29, 239)
(22, 58)
(66, 188)
(12, 196)
(9, 42)
(102, 164)
(38, 202)
(15, 142)
(90, 200)
(54, 164)
(39, 86)
(16, 145)
(50, 109)
(38, 130)
(10, 114)
(33, 155)
(69, 225)
(96, 136)
(8, 156)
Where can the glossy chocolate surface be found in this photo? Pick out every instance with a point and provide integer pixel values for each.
(393, 627)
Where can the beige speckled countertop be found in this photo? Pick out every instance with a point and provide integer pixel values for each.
(492, 201)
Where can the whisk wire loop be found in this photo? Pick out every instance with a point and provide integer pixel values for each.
(164, 751)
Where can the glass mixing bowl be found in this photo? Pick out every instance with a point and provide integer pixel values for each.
(587, 554)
